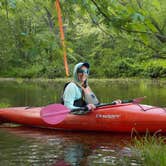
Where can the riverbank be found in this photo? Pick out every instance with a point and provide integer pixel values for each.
(134, 80)
(90, 78)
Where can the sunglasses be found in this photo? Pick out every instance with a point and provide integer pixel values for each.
(85, 71)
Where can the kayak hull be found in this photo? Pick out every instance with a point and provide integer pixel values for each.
(116, 118)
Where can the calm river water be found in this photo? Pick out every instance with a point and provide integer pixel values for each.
(25, 146)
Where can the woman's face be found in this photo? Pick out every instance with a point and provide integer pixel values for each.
(82, 74)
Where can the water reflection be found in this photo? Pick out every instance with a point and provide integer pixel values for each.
(30, 93)
(31, 146)
(37, 93)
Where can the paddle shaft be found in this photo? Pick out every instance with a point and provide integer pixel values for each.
(114, 103)
(135, 101)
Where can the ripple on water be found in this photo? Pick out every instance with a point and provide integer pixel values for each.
(45, 148)
(106, 155)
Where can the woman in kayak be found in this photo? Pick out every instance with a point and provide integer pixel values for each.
(77, 94)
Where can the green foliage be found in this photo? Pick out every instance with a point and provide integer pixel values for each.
(152, 149)
(155, 69)
(4, 105)
(118, 38)
(31, 72)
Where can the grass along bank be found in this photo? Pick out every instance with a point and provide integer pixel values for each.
(152, 150)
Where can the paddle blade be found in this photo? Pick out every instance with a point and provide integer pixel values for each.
(138, 100)
(54, 113)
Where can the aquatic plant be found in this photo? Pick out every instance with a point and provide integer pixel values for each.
(152, 149)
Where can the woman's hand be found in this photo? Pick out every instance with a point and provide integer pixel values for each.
(117, 101)
(91, 107)
(86, 90)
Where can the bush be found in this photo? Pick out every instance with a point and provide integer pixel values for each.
(30, 72)
(122, 68)
(155, 69)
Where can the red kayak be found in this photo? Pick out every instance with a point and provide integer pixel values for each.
(113, 118)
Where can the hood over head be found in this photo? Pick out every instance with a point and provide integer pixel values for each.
(78, 66)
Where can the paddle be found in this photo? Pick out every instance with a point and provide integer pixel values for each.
(56, 113)
(134, 101)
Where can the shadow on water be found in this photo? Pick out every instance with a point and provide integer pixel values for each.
(32, 146)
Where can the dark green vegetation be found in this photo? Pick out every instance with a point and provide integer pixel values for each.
(123, 38)
(152, 150)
